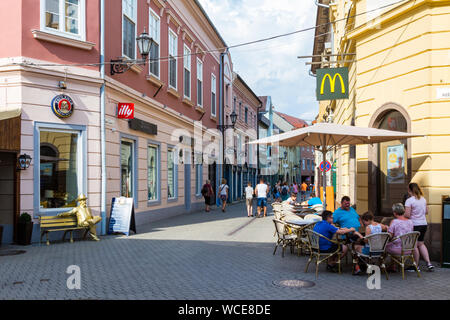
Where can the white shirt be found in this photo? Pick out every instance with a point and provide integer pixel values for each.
(418, 210)
(223, 189)
(261, 190)
(249, 192)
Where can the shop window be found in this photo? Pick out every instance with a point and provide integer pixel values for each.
(59, 168)
(153, 169)
(171, 174)
(127, 168)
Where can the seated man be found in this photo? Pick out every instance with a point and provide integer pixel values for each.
(347, 217)
(327, 229)
(314, 201)
(84, 216)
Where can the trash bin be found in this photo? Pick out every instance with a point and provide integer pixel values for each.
(446, 233)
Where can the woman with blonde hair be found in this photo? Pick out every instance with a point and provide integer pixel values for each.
(416, 210)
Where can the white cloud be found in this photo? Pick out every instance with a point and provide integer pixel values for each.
(271, 67)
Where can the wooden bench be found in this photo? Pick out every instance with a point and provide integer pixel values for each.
(55, 223)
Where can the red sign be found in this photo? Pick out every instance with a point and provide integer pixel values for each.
(327, 166)
(125, 111)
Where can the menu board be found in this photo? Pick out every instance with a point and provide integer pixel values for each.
(396, 164)
(122, 218)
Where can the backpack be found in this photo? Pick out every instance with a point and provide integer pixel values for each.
(284, 191)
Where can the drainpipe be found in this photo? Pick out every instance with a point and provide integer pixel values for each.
(102, 118)
(221, 168)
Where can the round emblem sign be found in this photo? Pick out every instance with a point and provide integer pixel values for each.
(62, 106)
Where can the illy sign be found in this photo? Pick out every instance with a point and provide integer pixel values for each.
(125, 111)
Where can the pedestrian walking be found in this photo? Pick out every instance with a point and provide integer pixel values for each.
(223, 194)
(303, 188)
(249, 193)
(416, 210)
(207, 193)
(261, 194)
(284, 192)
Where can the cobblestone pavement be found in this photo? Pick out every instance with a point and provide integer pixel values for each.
(196, 256)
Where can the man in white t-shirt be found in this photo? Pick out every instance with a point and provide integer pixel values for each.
(249, 199)
(261, 194)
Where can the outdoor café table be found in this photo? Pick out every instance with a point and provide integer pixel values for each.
(300, 222)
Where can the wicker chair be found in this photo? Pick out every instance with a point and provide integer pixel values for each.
(285, 236)
(408, 241)
(377, 252)
(302, 238)
(314, 248)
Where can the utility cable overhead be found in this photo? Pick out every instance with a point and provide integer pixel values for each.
(223, 49)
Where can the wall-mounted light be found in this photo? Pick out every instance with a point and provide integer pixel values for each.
(144, 43)
(23, 162)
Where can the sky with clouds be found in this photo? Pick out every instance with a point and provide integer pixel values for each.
(271, 68)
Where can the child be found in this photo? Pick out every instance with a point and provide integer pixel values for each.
(371, 227)
(249, 199)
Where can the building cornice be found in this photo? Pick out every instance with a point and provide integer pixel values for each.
(389, 15)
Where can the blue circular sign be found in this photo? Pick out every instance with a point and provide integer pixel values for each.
(62, 106)
(327, 166)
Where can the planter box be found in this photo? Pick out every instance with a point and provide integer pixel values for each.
(24, 232)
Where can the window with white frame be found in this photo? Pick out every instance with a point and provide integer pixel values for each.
(154, 32)
(152, 174)
(173, 41)
(67, 17)
(213, 95)
(129, 17)
(187, 71)
(199, 83)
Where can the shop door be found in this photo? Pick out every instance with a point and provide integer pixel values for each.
(7, 170)
(127, 167)
(187, 187)
(393, 178)
(212, 179)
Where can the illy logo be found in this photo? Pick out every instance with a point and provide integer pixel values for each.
(125, 111)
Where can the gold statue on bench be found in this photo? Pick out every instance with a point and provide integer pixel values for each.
(84, 216)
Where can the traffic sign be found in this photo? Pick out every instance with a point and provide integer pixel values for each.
(327, 166)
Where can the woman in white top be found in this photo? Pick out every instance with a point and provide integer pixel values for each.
(249, 199)
(416, 210)
(223, 193)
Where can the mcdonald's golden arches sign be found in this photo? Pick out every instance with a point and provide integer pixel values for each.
(332, 84)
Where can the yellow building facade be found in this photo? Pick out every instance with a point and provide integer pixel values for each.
(399, 79)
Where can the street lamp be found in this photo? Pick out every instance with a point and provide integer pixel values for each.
(233, 117)
(23, 162)
(144, 43)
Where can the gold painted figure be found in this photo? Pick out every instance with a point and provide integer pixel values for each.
(84, 216)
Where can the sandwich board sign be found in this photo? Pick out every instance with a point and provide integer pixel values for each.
(332, 84)
(122, 218)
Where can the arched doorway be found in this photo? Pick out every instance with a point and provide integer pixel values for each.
(389, 162)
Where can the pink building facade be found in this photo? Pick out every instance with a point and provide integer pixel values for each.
(53, 87)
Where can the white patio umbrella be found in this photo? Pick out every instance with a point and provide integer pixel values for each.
(324, 136)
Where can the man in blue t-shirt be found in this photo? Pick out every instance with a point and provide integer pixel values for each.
(327, 229)
(346, 216)
(314, 201)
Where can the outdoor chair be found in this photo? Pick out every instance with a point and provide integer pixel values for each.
(285, 236)
(377, 251)
(314, 248)
(302, 237)
(408, 241)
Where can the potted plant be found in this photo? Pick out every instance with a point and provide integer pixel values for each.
(24, 229)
